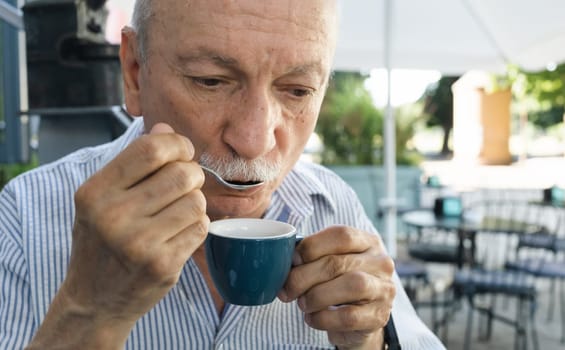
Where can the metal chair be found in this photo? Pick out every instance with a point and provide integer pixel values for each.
(488, 278)
(542, 255)
(433, 246)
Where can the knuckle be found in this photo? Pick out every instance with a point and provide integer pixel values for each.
(382, 316)
(296, 283)
(203, 225)
(361, 283)
(200, 200)
(346, 236)
(83, 194)
(108, 221)
(135, 251)
(387, 265)
(161, 269)
(197, 203)
(334, 265)
(180, 180)
(150, 150)
(390, 291)
(292, 283)
(349, 318)
(88, 198)
(335, 338)
(200, 229)
(188, 147)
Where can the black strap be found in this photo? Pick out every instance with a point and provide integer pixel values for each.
(390, 336)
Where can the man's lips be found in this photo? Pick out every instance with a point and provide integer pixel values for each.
(245, 183)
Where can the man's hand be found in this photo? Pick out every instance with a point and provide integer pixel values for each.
(343, 281)
(138, 220)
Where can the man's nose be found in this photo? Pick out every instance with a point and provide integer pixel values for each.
(251, 127)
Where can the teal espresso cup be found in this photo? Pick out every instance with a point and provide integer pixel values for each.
(249, 259)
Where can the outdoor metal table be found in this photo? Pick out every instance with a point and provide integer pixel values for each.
(466, 227)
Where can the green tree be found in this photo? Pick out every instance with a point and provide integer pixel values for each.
(350, 125)
(541, 94)
(438, 107)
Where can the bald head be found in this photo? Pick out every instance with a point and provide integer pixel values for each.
(320, 13)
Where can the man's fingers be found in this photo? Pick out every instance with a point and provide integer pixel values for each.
(335, 240)
(189, 239)
(350, 318)
(304, 277)
(179, 215)
(350, 288)
(143, 157)
(161, 128)
(355, 339)
(173, 181)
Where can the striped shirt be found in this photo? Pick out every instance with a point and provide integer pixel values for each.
(36, 218)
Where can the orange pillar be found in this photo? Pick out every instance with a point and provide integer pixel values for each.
(481, 121)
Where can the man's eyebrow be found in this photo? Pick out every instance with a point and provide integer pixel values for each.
(307, 68)
(202, 55)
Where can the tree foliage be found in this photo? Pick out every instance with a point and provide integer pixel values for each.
(351, 126)
(541, 94)
(349, 123)
(438, 107)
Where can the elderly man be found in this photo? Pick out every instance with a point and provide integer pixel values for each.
(235, 86)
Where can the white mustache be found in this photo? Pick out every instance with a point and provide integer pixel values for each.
(232, 167)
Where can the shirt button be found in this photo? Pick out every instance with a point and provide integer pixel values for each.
(219, 346)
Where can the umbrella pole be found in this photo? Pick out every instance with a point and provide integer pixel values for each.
(389, 142)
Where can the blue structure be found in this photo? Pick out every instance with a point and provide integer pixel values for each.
(14, 145)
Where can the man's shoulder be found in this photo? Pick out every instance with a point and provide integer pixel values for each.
(53, 179)
(73, 169)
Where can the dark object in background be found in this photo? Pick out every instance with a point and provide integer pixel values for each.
(74, 76)
(69, 62)
(554, 194)
(448, 206)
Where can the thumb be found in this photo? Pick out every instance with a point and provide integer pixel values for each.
(161, 128)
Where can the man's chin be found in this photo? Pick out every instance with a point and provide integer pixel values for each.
(237, 205)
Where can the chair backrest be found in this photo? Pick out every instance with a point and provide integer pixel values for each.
(504, 221)
(549, 244)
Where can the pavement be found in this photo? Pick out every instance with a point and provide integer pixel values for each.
(523, 179)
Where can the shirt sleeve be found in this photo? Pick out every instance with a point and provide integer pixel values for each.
(16, 320)
(412, 332)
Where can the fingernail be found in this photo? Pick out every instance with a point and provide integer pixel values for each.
(302, 303)
(296, 259)
(307, 318)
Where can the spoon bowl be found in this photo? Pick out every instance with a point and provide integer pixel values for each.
(235, 186)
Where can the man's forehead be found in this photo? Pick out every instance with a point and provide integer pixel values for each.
(293, 10)
(219, 24)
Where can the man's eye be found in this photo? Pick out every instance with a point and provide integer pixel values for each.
(300, 92)
(207, 82)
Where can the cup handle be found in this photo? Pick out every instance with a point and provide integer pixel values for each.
(299, 238)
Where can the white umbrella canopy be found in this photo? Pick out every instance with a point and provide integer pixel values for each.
(452, 36)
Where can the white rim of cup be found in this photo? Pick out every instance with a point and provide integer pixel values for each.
(288, 228)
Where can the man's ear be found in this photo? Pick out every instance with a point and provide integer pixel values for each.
(130, 62)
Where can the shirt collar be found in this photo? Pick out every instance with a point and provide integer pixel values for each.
(301, 187)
